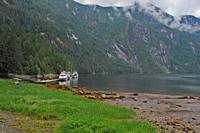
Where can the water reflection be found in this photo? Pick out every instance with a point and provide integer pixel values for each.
(174, 84)
(69, 82)
(64, 83)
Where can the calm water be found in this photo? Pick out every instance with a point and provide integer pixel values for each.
(159, 84)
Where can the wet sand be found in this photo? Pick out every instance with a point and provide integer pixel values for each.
(179, 114)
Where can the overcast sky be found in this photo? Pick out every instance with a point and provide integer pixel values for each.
(173, 7)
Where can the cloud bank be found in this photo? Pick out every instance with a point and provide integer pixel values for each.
(173, 7)
(177, 8)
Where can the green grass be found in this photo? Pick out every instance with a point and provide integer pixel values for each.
(78, 115)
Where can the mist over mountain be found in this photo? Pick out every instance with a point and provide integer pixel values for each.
(173, 7)
(183, 23)
(50, 36)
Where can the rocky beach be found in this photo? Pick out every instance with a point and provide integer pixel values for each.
(173, 114)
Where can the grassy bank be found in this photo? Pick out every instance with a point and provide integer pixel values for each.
(78, 115)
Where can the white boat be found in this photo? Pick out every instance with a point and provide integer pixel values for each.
(74, 76)
(64, 76)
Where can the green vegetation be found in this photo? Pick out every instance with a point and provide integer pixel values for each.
(76, 113)
(48, 36)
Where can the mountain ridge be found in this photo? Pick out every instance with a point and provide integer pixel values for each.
(56, 35)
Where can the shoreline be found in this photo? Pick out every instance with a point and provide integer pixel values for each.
(72, 112)
(171, 113)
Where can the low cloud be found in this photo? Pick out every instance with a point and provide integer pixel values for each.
(173, 7)
(167, 20)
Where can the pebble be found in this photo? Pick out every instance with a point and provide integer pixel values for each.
(145, 101)
(193, 118)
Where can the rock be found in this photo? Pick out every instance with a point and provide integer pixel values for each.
(191, 97)
(97, 95)
(91, 97)
(57, 87)
(188, 130)
(2, 120)
(186, 97)
(173, 123)
(145, 101)
(114, 97)
(182, 97)
(135, 108)
(193, 118)
(179, 105)
(162, 127)
(110, 93)
(133, 98)
(103, 95)
(133, 94)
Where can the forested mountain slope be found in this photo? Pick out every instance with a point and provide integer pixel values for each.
(48, 36)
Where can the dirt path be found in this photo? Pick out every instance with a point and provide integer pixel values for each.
(172, 113)
(18, 123)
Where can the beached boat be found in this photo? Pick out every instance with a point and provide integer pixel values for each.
(74, 76)
(64, 76)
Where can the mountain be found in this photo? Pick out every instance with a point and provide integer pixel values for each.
(191, 20)
(48, 36)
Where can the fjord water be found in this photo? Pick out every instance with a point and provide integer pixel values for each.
(179, 84)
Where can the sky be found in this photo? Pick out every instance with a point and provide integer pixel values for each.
(173, 7)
